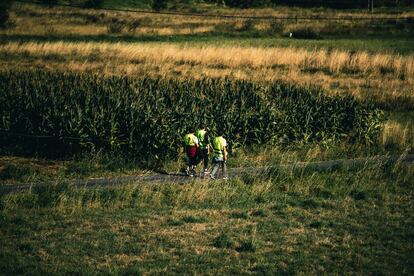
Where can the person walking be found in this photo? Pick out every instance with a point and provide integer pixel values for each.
(191, 145)
(204, 149)
(219, 146)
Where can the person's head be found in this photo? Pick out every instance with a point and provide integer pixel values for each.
(220, 132)
(202, 126)
(191, 130)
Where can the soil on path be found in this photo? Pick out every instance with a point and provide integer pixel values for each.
(181, 178)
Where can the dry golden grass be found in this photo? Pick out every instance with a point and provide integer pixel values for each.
(224, 57)
(396, 133)
(385, 77)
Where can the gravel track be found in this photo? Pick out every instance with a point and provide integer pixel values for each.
(180, 178)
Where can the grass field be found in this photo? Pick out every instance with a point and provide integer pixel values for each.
(359, 222)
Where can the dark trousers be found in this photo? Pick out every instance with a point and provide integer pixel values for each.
(203, 156)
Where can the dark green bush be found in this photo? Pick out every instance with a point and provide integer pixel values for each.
(223, 241)
(92, 4)
(49, 3)
(158, 5)
(303, 32)
(276, 27)
(17, 172)
(247, 26)
(115, 27)
(247, 3)
(4, 12)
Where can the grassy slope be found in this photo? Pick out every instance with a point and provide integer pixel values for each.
(311, 223)
(402, 44)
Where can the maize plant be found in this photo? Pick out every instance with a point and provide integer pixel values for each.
(67, 113)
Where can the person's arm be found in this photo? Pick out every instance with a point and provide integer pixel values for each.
(206, 141)
(225, 153)
(197, 143)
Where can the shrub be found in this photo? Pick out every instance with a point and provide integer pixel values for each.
(132, 26)
(223, 241)
(92, 4)
(247, 3)
(17, 172)
(49, 3)
(158, 5)
(276, 27)
(4, 12)
(115, 27)
(247, 26)
(302, 32)
(225, 28)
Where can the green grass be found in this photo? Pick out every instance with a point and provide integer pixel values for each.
(400, 43)
(127, 4)
(18, 169)
(293, 223)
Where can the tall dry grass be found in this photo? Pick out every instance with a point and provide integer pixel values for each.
(395, 133)
(333, 62)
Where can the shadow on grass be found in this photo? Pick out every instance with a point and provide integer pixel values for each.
(399, 42)
(130, 38)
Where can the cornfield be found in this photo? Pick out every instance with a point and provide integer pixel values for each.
(66, 113)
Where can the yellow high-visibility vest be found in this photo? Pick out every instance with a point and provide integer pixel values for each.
(201, 138)
(218, 146)
(190, 140)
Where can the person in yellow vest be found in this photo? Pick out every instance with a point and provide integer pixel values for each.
(219, 146)
(191, 145)
(204, 149)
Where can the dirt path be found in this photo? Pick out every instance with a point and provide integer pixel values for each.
(180, 178)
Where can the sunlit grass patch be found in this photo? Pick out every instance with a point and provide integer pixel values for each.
(133, 228)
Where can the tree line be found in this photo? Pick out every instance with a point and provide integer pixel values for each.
(158, 5)
(345, 4)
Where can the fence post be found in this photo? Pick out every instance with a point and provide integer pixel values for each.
(371, 5)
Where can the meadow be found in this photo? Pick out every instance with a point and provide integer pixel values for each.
(283, 222)
(97, 86)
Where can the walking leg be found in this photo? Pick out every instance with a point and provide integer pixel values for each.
(205, 160)
(187, 169)
(224, 167)
(214, 171)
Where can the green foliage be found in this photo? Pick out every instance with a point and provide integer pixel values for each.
(49, 3)
(92, 4)
(158, 5)
(303, 32)
(4, 12)
(133, 25)
(194, 219)
(148, 117)
(115, 26)
(250, 243)
(354, 4)
(17, 172)
(247, 26)
(276, 27)
(247, 3)
(223, 241)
